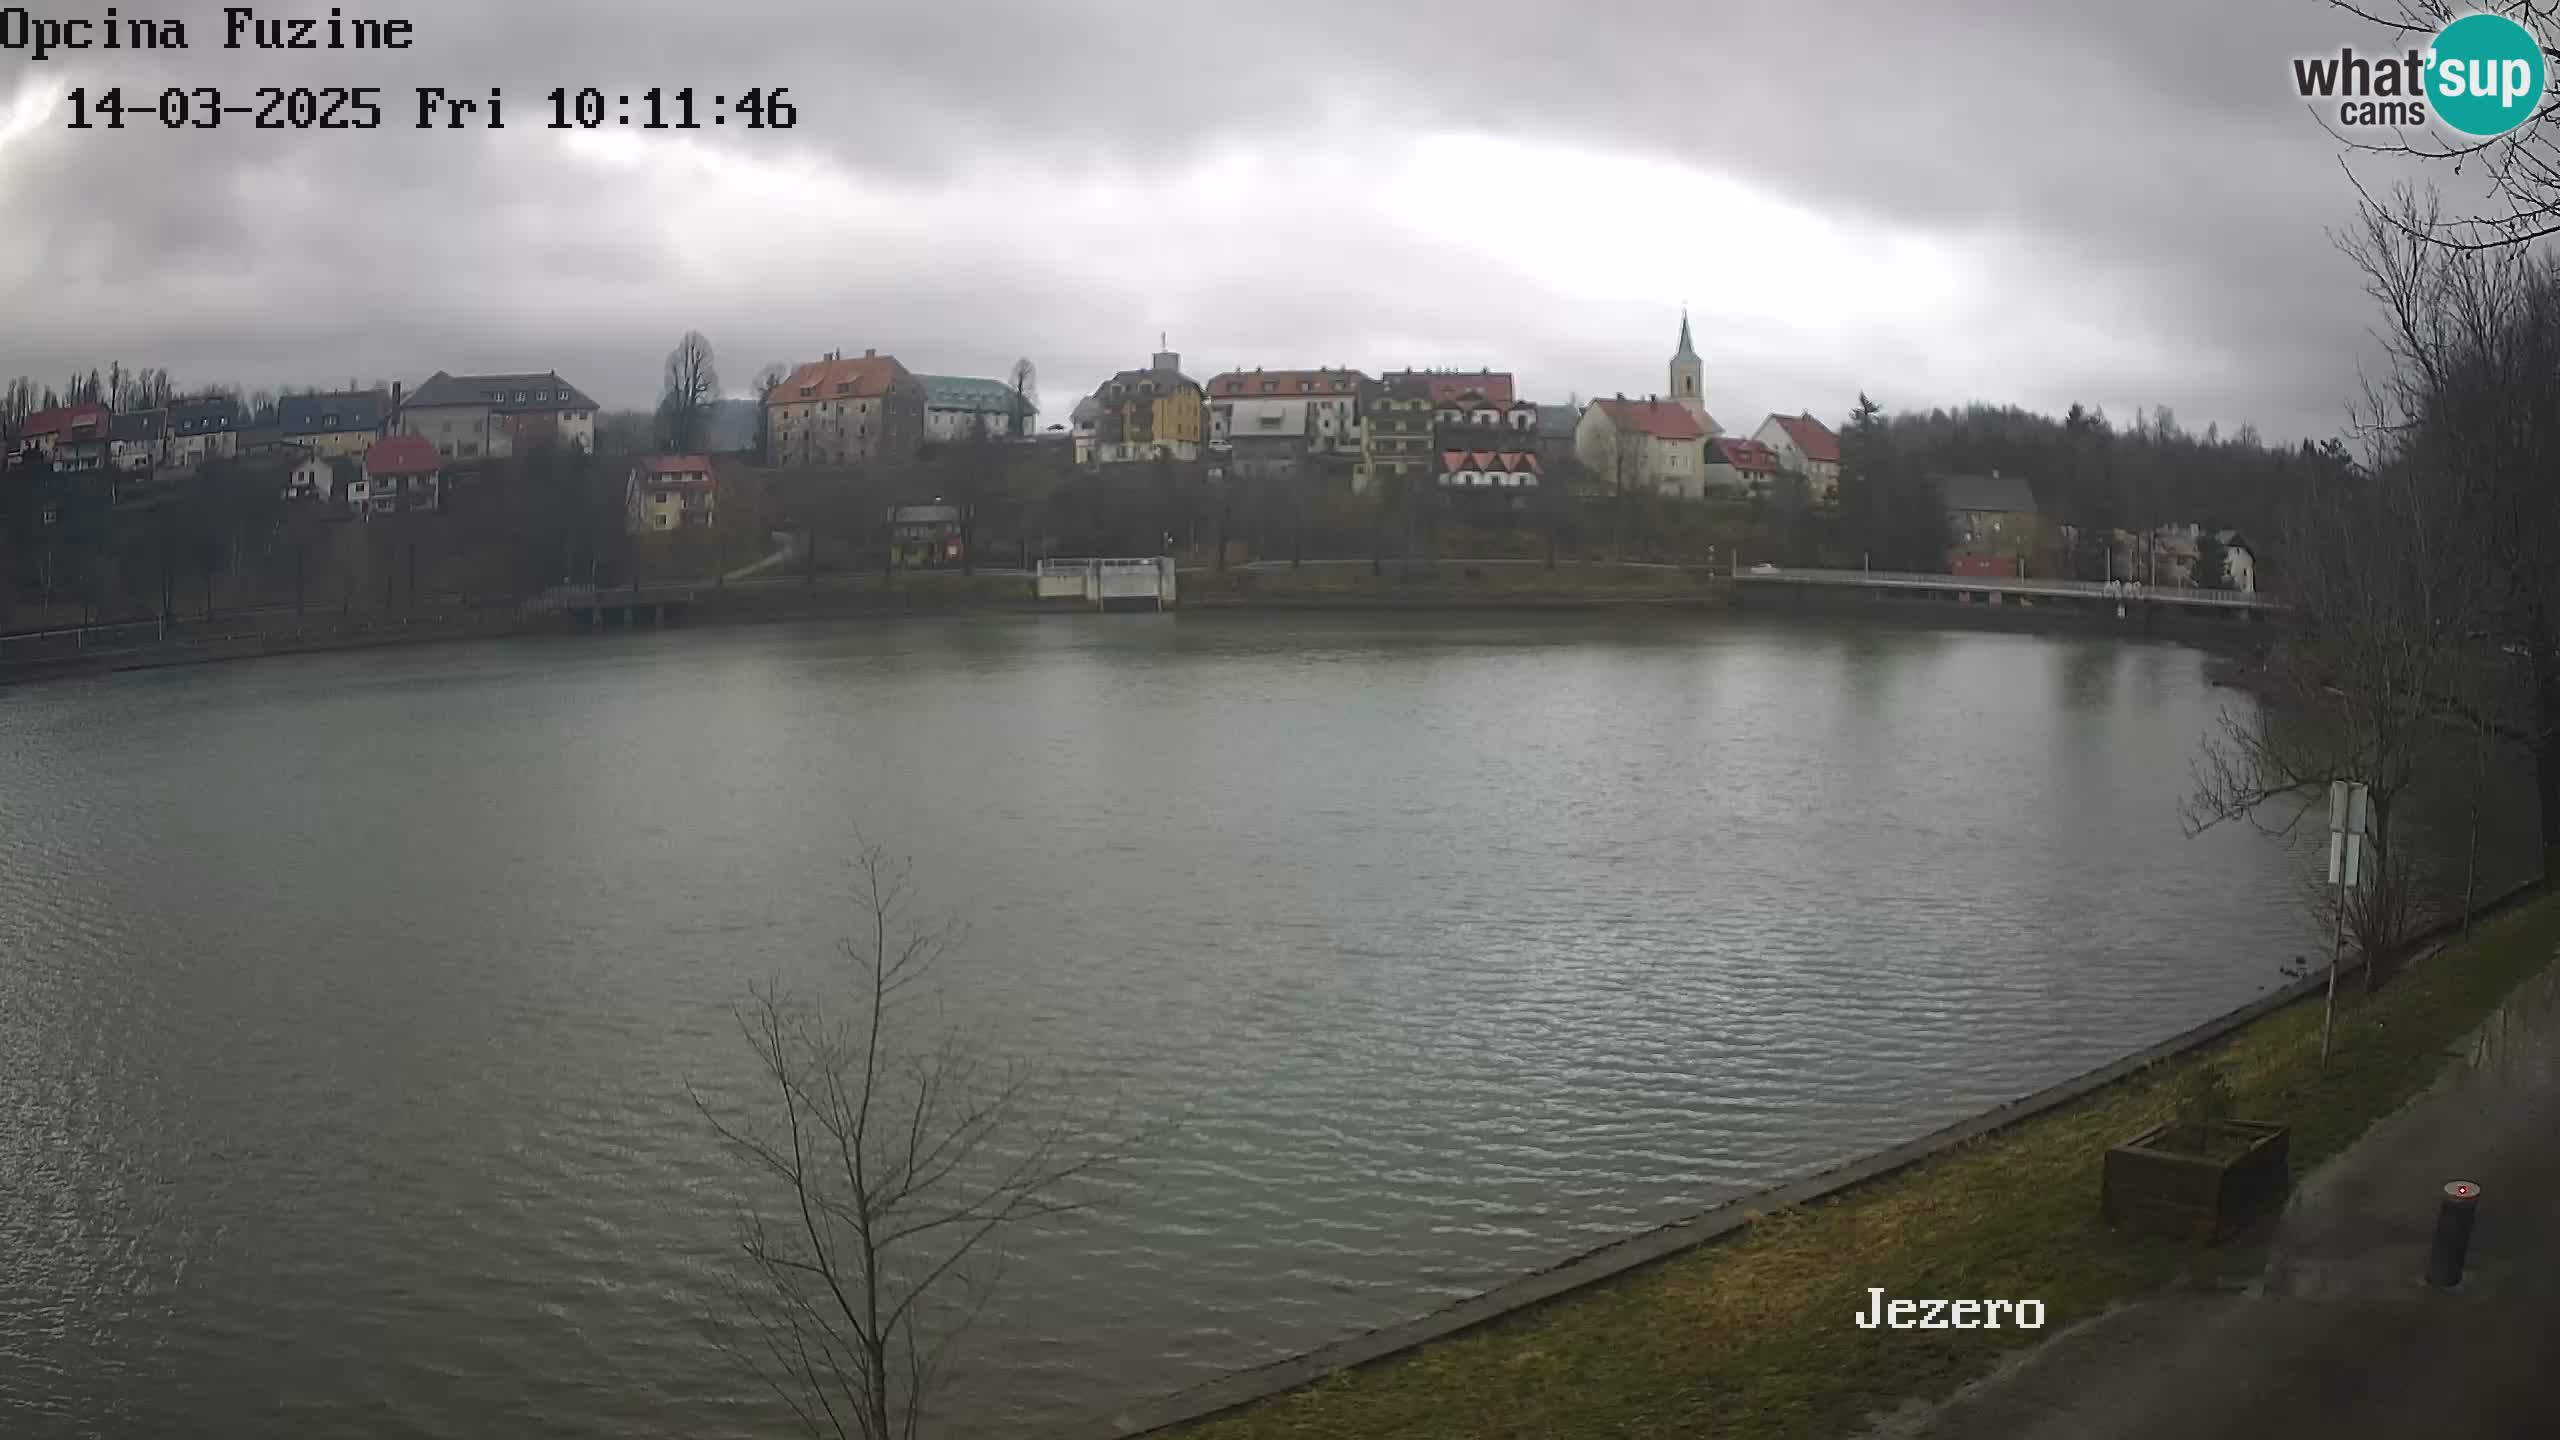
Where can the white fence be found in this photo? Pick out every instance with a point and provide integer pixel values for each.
(2009, 585)
(1103, 581)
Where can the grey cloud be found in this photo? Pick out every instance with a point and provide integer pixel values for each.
(2153, 141)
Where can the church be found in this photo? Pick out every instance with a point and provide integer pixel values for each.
(1657, 443)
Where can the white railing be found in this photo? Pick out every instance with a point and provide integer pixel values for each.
(2009, 584)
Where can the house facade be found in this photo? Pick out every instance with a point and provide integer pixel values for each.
(1329, 400)
(844, 411)
(205, 428)
(925, 537)
(1992, 517)
(321, 479)
(1805, 446)
(1141, 414)
(670, 492)
(1396, 424)
(402, 466)
(956, 407)
(71, 437)
(1651, 444)
(1486, 440)
(470, 417)
(138, 438)
(1737, 466)
(2239, 562)
(1264, 440)
(1086, 427)
(340, 423)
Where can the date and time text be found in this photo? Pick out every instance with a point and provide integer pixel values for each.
(424, 107)
(41, 38)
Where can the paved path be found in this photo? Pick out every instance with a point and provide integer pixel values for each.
(2339, 1338)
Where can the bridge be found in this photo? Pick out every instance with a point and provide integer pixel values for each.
(1995, 589)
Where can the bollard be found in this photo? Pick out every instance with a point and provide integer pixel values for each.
(2453, 1234)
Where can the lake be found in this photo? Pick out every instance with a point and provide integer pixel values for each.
(349, 1003)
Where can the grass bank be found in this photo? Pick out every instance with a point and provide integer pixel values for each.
(1753, 1337)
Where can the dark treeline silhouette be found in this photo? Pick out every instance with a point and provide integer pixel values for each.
(2097, 477)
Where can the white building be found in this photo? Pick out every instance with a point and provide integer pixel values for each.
(1328, 399)
(1652, 444)
(321, 478)
(493, 416)
(2239, 566)
(1806, 447)
(960, 407)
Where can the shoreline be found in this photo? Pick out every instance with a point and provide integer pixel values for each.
(842, 598)
(1568, 1323)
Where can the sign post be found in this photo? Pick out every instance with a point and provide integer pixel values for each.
(2346, 849)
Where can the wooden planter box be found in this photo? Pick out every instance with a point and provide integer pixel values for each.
(2182, 1195)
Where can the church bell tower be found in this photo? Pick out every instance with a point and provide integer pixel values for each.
(1689, 374)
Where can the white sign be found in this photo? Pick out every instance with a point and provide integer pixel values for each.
(2346, 831)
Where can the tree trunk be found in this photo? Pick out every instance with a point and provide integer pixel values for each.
(2546, 751)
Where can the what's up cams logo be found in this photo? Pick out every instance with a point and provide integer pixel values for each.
(2482, 75)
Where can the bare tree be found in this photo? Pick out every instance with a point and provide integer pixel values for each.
(892, 1172)
(693, 386)
(2473, 336)
(771, 376)
(2521, 168)
(1026, 397)
(2380, 609)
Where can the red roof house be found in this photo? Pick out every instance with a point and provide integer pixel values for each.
(401, 455)
(1661, 419)
(1813, 438)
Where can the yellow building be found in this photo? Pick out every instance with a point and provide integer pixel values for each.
(670, 492)
(1141, 414)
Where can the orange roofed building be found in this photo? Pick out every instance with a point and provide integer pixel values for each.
(844, 411)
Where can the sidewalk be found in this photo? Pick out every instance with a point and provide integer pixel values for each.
(2338, 1336)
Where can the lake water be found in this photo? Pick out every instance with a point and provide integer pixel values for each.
(348, 1003)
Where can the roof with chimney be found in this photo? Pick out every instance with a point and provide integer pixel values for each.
(1446, 385)
(332, 412)
(840, 377)
(1261, 383)
(203, 415)
(1661, 419)
(1811, 436)
(546, 391)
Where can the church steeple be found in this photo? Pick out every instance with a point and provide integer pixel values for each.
(1688, 373)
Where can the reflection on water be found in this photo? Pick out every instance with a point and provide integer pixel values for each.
(347, 1003)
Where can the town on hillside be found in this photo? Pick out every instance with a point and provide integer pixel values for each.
(118, 485)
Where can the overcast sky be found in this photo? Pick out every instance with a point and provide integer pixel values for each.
(2036, 201)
